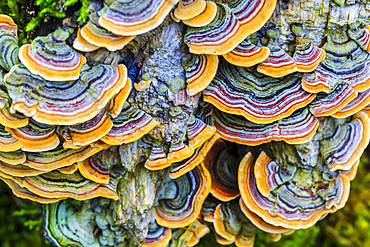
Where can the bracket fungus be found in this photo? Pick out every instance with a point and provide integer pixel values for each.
(247, 54)
(278, 63)
(60, 157)
(116, 104)
(36, 137)
(307, 56)
(200, 71)
(293, 173)
(178, 151)
(283, 208)
(223, 168)
(259, 98)
(81, 44)
(234, 21)
(203, 18)
(178, 169)
(67, 102)
(188, 236)
(7, 142)
(356, 105)
(328, 104)
(82, 223)
(232, 226)
(134, 17)
(180, 200)
(157, 159)
(336, 67)
(97, 36)
(187, 9)
(12, 120)
(360, 35)
(8, 42)
(344, 140)
(130, 125)
(13, 158)
(83, 134)
(297, 128)
(153, 152)
(157, 236)
(58, 185)
(51, 58)
(260, 223)
(208, 209)
(24, 193)
(93, 169)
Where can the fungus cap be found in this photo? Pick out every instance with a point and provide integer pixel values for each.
(26, 194)
(91, 168)
(260, 99)
(205, 17)
(157, 159)
(134, 17)
(234, 21)
(62, 224)
(56, 185)
(59, 157)
(13, 158)
(307, 56)
(187, 9)
(337, 68)
(94, 34)
(116, 104)
(68, 102)
(356, 105)
(157, 236)
(328, 104)
(81, 44)
(51, 58)
(247, 54)
(223, 168)
(178, 151)
(291, 206)
(231, 224)
(198, 132)
(178, 169)
(345, 141)
(278, 63)
(360, 35)
(9, 48)
(130, 125)
(80, 135)
(183, 204)
(259, 222)
(200, 70)
(36, 137)
(7, 23)
(7, 142)
(295, 129)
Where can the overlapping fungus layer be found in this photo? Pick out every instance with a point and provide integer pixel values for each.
(259, 98)
(134, 17)
(92, 36)
(8, 42)
(336, 67)
(233, 22)
(272, 135)
(65, 64)
(67, 102)
(272, 188)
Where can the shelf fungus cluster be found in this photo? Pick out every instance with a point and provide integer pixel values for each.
(158, 121)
